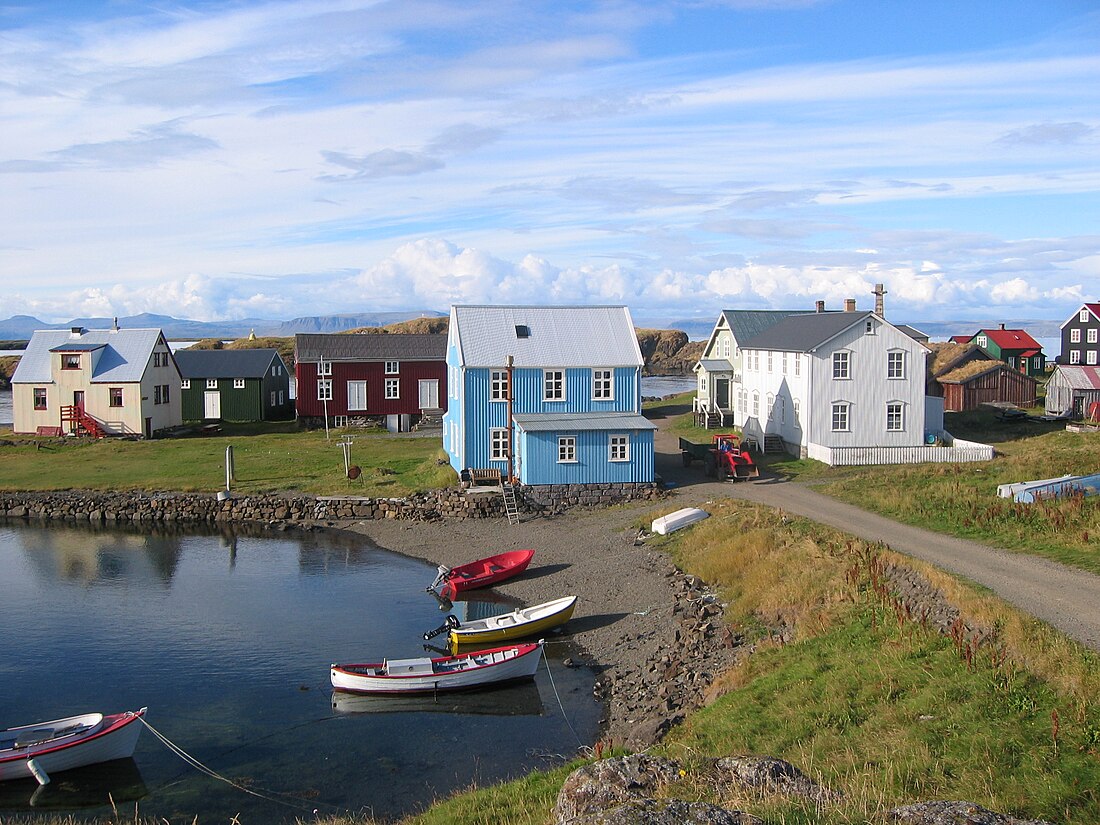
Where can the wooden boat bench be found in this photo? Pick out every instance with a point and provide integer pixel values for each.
(485, 477)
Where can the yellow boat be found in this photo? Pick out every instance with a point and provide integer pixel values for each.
(523, 622)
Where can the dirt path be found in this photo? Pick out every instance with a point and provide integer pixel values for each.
(1064, 597)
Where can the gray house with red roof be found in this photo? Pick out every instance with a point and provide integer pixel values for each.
(1081, 337)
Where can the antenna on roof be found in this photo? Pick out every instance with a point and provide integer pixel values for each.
(115, 327)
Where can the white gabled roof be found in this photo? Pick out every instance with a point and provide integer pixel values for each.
(557, 336)
(125, 353)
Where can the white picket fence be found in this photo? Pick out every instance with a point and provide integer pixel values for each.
(959, 451)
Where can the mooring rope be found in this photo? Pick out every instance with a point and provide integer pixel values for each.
(199, 766)
(565, 716)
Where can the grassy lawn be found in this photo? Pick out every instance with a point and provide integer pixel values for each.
(266, 458)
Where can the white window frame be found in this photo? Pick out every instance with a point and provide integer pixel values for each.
(1075, 356)
(842, 365)
(1075, 335)
(324, 389)
(618, 447)
(895, 417)
(567, 449)
(756, 404)
(273, 398)
(1083, 316)
(393, 389)
(498, 444)
(498, 385)
(393, 368)
(1090, 358)
(797, 365)
(238, 383)
(771, 361)
(553, 385)
(185, 384)
(1090, 335)
(895, 365)
(354, 396)
(211, 383)
(784, 364)
(324, 367)
(603, 385)
(982, 341)
(841, 417)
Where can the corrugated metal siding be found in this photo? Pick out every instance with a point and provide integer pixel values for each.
(374, 373)
(538, 462)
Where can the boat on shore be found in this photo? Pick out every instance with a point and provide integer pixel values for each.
(481, 573)
(46, 748)
(442, 673)
(527, 621)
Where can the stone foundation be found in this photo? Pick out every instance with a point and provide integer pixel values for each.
(206, 508)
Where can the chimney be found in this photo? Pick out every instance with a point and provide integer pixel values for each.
(1002, 326)
(820, 306)
(849, 304)
(880, 305)
(115, 327)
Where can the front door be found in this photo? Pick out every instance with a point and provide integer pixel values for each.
(78, 399)
(722, 393)
(212, 404)
(429, 394)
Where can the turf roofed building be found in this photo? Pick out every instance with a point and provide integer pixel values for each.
(547, 395)
(234, 385)
(100, 382)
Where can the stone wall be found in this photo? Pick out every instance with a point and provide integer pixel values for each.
(199, 508)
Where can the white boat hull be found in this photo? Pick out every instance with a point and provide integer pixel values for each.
(472, 670)
(674, 521)
(109, 739)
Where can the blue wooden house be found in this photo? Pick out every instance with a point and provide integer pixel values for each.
(547, 395)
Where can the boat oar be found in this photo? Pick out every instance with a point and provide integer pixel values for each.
(449, 624)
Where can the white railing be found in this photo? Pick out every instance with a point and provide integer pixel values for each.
(959, 451)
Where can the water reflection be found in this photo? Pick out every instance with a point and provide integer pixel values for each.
(93, 786)
(507, 700)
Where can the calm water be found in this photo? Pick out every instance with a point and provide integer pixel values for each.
(227, 639)
(658, 386)
(5, 408)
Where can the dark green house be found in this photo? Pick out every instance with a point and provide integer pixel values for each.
(234, 385)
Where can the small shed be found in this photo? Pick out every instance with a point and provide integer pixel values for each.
(980, 382)
(1072, 389)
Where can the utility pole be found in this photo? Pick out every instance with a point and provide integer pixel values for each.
(511, 467)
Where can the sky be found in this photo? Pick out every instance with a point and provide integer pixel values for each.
(229, 160)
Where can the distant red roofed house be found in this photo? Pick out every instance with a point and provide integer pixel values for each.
(1081, 337)
(1013, 346)
(960, 339)
(966, 376)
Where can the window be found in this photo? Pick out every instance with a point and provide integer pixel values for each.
(275, 371)
(1075, 356)
(619, 448)
(895, 364)
(211, 383)
(567, 449)
(842, 365)
(1091, 335)
(393, 388)
(324, 367)
(156, 363)
(797, 364)
(498, 385)
(1075, 336)
(870, 328)
(116, 396)
(357, 395)
(281, 402)
(156, 394)
(784, 368)
(40, 398)
(164, 394)
(1090, 357)
(840, 417)
(771, 358)
(982, 341)
(70, 362)
(393, 367)
(553, 385)
(602, 387)
(895, 417)
(273, 398)
(769, 407)
(782, 410)
(797, 410)
(185, 384)
(725, 347)
(324, 389)
(498, 444)
(1083, 316)
(702, 383)
(238, 383)
(755, 404)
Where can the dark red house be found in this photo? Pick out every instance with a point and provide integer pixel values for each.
(966, 376)
(353, 378)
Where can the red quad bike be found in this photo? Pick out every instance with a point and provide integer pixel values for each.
(723, 458)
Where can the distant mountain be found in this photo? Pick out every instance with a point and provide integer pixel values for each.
(21, 327)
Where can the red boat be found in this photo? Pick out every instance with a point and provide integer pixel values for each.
(483, 572)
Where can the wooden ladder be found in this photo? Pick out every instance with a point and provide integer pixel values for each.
(511, 507)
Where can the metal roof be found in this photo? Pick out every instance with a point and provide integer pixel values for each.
(806, 332)
(913, 332)
(715, 364)
(748, 323)
(77, 346)
(1011, 338)
(1080, 377)
(125, 353)
(372, 346)
(576, 422)
(225, 363)
(545, 336)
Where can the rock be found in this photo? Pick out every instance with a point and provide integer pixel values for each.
(773, 776)
(667, 812)
(955, 813)
(612, 782)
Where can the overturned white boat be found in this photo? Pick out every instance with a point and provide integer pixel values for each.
(674, 521)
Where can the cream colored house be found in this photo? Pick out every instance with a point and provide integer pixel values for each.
(102, 382)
